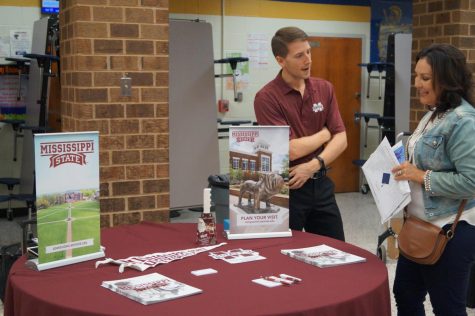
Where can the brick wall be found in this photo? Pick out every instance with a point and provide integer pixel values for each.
(441, 21)
(101, 41)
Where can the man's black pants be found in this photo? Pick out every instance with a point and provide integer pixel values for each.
(313, 208)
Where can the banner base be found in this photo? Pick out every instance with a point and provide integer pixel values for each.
(258, 235)
(33, 263)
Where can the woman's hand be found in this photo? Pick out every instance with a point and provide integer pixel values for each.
(408, 171)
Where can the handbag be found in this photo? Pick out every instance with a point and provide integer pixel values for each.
(423, 242)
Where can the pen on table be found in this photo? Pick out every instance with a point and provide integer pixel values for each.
(278, 280)
(289, 277)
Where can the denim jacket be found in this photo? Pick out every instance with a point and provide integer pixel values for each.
(448, 149)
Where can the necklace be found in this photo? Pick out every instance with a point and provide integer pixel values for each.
(436, 121)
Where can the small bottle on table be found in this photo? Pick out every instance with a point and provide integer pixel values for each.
(206, 232)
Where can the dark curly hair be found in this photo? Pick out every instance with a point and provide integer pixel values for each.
(452, 77)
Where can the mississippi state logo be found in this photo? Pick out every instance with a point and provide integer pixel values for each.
(67, 152)
(317, 107)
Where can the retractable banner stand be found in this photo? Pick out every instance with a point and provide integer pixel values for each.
(67, 198)
(258, 188)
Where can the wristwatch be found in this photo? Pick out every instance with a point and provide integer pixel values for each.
(322, 162)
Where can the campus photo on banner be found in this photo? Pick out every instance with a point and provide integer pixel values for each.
(67, 195)
(259, 172)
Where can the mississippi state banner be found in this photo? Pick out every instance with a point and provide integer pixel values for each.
(67, 195)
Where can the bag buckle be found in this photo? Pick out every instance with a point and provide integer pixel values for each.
(449, 234)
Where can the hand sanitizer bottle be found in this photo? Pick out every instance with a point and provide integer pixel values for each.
(206, 233)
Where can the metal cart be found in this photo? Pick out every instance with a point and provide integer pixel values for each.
(381, 249)
(384, 125)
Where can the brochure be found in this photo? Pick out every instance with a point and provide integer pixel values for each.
(151, 288)
(390, 196)
(322, 256)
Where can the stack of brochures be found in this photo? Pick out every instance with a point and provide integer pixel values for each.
(391, 196)
(322, 256)
(151, 288)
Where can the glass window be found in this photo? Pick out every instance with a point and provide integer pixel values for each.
(265, 163)
(253, 165)
(235, 163)
(245, 164)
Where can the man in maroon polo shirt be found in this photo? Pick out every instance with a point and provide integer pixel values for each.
(309, 106)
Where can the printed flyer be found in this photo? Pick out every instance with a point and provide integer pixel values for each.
(323, 256)
(67, 195)
(151, 288)
(258, 188)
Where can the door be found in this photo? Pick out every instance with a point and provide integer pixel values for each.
(336, 59)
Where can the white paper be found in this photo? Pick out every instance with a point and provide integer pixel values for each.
(204, 272)
(257, 49)
(391, 196)
(20, 42)
(266, 283)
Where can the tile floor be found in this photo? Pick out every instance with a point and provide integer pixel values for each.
(360, 219)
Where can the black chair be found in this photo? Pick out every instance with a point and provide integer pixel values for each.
(8, 256)
(29, 199)
(16, 127)
(10, 183)
(8, 198)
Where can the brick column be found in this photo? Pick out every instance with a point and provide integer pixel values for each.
(101, 41)
(441, 21)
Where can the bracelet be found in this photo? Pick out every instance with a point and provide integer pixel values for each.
(427, 180)
(322, 162)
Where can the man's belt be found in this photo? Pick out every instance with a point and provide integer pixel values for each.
(319, 174)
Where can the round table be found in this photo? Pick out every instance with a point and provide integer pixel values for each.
(75, 290)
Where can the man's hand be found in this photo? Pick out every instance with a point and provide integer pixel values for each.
(301, 173)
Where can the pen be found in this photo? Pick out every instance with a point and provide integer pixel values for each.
(278, 280)
(289, 277)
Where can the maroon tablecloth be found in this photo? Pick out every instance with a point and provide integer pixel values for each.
(355, 289)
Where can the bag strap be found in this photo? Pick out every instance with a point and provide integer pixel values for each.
(451, 231)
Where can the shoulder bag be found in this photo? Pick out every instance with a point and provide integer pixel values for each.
(424, 242)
